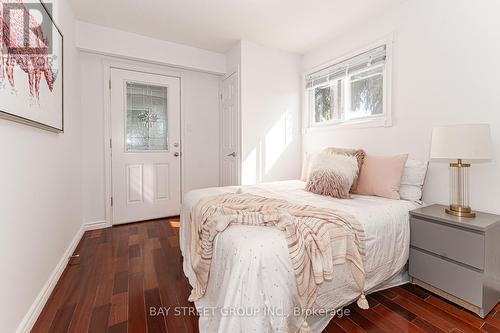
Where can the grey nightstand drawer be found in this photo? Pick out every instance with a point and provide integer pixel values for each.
(460, 245)
(455, 279)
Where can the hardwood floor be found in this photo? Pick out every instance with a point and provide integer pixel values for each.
(124, 271)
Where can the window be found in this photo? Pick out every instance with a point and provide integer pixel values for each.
(146, 117)
(350, 91)
(327, 102)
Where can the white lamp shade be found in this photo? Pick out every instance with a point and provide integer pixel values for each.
(467, 142)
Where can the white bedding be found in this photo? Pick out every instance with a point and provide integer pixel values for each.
(252, 284)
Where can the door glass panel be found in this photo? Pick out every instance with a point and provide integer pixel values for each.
(147, 123)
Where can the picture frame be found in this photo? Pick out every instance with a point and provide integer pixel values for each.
(31, 65)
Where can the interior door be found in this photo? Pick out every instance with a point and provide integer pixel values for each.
(230, 136)
(145, 132)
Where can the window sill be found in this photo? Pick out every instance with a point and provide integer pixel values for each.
(361, 123)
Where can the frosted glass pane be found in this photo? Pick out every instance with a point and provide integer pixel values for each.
(147, 123)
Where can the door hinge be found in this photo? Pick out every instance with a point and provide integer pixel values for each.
(111, 143)
(109, 82)
(221, 96)
(111, 201)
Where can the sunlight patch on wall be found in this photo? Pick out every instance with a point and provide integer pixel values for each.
(277, 139)
(249, 169)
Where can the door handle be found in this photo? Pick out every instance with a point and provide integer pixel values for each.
(177, 154)
(233, 154)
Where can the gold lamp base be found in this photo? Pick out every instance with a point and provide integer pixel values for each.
(459, 190)
(460, 211)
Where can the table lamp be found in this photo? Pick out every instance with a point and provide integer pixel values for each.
(459, 143)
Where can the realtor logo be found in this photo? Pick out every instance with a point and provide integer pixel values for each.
(25, 28)
(26, 43)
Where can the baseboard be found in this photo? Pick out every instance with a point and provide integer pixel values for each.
(100, 224)
(36, 308)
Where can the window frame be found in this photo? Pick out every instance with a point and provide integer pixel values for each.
(380, 120)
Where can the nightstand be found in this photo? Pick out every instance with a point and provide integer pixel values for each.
(456, 258)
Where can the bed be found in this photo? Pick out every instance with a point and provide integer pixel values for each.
(252, 287)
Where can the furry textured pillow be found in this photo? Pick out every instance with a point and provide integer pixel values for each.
(332, 175)
(358, 153)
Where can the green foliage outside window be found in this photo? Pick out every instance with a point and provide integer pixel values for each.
(323, 104)
(367, 92)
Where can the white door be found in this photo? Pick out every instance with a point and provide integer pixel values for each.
(145, 132)
(230, 125)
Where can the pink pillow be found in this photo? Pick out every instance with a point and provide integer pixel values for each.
(381, 176)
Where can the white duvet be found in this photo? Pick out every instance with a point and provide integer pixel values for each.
(252, 285)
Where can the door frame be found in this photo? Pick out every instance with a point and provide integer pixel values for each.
(239, 145)
(108, 65)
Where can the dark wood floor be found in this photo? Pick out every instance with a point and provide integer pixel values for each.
(125, 270)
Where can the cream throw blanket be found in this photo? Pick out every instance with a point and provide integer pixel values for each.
(317, 238)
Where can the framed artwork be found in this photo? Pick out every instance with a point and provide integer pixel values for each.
(31, 65)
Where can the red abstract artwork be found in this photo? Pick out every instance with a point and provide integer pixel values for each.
(24, 44)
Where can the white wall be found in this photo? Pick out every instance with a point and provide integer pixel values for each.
(40, 201)
(270, 113)
(445, 71)
(200, 118)
(109, 41)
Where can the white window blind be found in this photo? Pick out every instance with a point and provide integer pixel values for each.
(341, 69)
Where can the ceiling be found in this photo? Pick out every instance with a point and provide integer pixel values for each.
(292, 25)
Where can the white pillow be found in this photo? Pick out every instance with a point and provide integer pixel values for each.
(412, 180)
